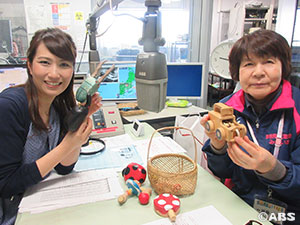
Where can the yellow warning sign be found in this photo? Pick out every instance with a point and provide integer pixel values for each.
(78, 15)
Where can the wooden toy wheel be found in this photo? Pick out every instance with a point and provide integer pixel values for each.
(220, 134)
(209, 126)
(244, 129)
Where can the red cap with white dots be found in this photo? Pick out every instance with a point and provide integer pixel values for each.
(167, 205)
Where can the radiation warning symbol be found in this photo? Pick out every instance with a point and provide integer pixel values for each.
(78, 16)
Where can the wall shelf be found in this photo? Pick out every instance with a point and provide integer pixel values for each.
(218, 88)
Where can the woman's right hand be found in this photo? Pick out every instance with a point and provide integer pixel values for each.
(212, 135)
(79, 137)
(67, 152)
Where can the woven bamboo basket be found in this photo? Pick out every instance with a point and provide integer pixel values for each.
(172, 173)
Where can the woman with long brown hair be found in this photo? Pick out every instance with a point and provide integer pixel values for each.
(33, 137)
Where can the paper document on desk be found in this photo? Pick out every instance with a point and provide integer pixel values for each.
(159, 145)
(59, 191)
(118, 158)
(206, 215)
(117, 141)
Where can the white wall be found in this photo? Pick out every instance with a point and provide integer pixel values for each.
(219, 7)
(39, 15)
(286, 18)
(14, 10)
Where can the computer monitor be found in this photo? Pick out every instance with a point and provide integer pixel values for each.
(5, 36)
(185, 80)
(120, 84)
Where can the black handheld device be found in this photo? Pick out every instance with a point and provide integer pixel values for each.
(84, 94)
(76, 116)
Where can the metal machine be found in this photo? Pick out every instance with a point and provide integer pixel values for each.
(151, 66)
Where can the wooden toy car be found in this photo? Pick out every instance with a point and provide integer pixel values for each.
(223, 123)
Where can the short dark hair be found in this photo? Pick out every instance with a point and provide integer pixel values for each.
(61, 45)
(262, 43)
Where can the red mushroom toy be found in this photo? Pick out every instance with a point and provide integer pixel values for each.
(167, 205)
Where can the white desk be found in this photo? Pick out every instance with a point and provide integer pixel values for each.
(167, 113)
(209, 191)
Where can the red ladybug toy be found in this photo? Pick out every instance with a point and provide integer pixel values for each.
(134, 171)
(135, 175)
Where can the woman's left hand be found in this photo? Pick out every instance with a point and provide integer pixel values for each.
(95, 104)
(258, 158)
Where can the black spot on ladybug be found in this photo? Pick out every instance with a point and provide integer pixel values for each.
(125, 171)
(143, 171)
(141, 181)
(135, 167)
(132, 178)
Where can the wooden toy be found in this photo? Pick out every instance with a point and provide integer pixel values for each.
(167, 205)
(134, 188)
(223, 123)
(145, 195)
(135, 175)
(134, 171)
